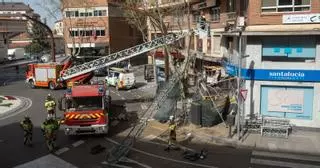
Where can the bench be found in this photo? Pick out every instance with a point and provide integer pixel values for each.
(276, 127)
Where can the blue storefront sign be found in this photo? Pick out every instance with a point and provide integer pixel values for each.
(230, 69)
(281, 75)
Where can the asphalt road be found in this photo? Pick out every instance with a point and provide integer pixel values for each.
(75, 151)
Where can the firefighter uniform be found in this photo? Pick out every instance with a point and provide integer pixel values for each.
(49, 128)
(27, 126)
(50, 105)
(172, 134)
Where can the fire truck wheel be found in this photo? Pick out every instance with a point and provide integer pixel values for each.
(52, 86)
(31, 84)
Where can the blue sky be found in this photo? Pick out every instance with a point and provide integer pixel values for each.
(42, 7)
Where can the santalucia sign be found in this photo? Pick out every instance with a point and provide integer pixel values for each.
(281, 75)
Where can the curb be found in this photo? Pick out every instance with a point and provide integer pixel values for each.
(23, 106)
(236, 144)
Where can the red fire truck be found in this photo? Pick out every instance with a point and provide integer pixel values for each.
(86, 109)
(47, 75)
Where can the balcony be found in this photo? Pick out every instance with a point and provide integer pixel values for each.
(231, 16)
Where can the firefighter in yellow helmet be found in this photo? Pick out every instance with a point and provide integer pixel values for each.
(172, 134)
(50, 105)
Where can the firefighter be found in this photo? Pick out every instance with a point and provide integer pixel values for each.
(50, 105)
(27, 126)
(49, 129)
(172, 134)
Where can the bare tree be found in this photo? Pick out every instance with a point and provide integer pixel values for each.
(151, 12)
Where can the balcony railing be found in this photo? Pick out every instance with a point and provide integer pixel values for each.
(231, 16)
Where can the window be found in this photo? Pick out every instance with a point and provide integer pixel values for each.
(231, 6)
(100, 33)
(288, 48)
(196, 16)
(74, 33)
(209, 45)
(72, 14)
(215, 14)
(216, 44)
(99, 13)
(285, 5)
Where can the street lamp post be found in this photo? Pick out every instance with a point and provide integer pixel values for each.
(239, 85)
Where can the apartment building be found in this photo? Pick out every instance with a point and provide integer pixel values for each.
(283, 68)
(12, 24)
(221, 16)
(96, 27)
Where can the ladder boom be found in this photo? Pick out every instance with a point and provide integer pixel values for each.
(120, 56)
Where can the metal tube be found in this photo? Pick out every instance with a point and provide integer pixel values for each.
(239, 85)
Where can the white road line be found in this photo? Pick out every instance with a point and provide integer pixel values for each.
(149, 137)
(138, 163)
(143, 107)
(284, 164)
(115, 165)
(62, 150)
(77, 143)
(286, 156)
(163, 158)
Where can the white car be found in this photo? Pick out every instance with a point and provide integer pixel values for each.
(121, 78)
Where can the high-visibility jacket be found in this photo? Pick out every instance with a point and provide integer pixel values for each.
(27, 126)
(233, 100)
(50, 104)
(172, 127)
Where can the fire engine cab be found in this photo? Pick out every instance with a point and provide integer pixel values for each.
(86, 109)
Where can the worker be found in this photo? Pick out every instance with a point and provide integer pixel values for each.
(172, 134)
(27, 126)
(49, 129)
(50, 105)
(202, 22)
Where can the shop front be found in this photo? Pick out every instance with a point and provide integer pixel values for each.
(290, 94)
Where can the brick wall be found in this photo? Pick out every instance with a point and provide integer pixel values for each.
(255, 17)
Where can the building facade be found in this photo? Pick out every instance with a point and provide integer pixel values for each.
(12, 24)
(283, 67)
(96, 28)
(58, 28)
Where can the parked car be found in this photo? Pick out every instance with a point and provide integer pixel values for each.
(120, 78)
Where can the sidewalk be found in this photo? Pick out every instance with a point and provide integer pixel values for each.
(299, 142)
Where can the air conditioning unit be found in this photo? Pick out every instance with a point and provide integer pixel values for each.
(240, 21)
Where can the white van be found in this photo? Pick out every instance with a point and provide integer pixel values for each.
(120, 78)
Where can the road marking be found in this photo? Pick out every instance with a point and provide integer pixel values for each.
(149, 137)
(138, 163)
(286, 156)
(115, 165)
(284, 164)
(77, 143)
(49, 161)
(163, 158)
(27, 101)
(62, 150)
(123, 98)
(143, 107)
(114, 123)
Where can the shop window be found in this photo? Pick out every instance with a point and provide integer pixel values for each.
(288, 48)
(287, 102)
(285, 5)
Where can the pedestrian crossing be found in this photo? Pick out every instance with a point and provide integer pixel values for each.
(48, 161)
(261, 159)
